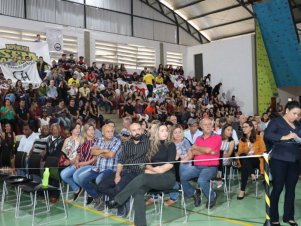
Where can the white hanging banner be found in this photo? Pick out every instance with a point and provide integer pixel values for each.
(26, 72)
(16, 51)
(54, 38)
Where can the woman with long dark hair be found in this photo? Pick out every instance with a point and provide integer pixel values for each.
(160, 176)
(250, 144)
(8, 146)
(227, 147)
(285, 157)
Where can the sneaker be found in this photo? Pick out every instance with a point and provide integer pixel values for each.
(89, 200)
(77, 194)
(169, 202)
(197, 199)
(100, 207)
(212, 202)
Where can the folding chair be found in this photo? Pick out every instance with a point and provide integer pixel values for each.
(162, 193)
(14, 180)
(33, 188)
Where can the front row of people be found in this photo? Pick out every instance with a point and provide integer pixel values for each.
(119, 170)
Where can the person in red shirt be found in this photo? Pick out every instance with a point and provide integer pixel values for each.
(150, 110)
(206, 147)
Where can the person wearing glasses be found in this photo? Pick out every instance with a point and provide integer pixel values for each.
(282, 136)
(249, 144)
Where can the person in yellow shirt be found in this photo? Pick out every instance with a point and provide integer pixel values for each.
(159, 79)
(73, 79)
(149, 81)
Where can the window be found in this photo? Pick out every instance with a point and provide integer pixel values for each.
(70, 42)
(132, 56)
(175, 59)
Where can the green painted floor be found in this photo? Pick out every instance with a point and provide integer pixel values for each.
(248, 212)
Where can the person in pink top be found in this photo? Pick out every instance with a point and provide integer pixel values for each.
(204, 152)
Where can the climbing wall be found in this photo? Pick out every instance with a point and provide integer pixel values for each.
(266, 85)
(280, 40)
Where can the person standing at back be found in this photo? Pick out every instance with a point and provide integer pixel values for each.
(285, 157)
(149, 80)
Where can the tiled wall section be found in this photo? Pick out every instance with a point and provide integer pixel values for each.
(280, 39)
(266, 85)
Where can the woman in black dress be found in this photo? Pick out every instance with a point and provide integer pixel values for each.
(280, 136)
(8, 146)
(159, 176)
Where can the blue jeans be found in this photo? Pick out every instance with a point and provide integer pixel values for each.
(79, 171)
(67, 176)
(174, 195)
(85, 179)
(204, 175)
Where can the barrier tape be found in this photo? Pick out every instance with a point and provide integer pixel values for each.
(172, 162)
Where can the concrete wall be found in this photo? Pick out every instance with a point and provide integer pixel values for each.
(230, 61)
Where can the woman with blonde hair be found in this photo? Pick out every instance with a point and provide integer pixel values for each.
(158, 175)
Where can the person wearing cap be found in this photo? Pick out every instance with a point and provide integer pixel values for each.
(192, 133)
(125, 135)
(205, 148)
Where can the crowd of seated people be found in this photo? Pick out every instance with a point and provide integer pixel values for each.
(65, 118)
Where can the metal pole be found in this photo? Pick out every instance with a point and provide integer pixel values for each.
(267, 190)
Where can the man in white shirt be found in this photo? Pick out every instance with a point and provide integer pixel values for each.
(192, 132)
(26, 144)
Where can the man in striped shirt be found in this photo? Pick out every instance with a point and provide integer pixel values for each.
(129, 165)
(40, 144)
(107, 151)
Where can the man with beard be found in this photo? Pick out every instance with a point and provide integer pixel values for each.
(134, 152)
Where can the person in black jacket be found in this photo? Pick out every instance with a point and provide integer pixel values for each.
(159, 174)
(280, 136)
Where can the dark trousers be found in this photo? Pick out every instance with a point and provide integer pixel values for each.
(248, 167)
(284, 174)
(139, 186)
(110, 188)
(150, 90)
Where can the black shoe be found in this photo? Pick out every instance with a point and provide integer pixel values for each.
(212, 202)
(112, 204)
(240, 197)
(197, 199)
(291, 223)
(77, 194)
(89, 200)
(276, 224)
(121, 212)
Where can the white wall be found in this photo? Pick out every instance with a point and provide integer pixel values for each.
(291, 92)
(30, 25)
(230, 61)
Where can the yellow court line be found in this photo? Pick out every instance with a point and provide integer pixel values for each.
(100, 213)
